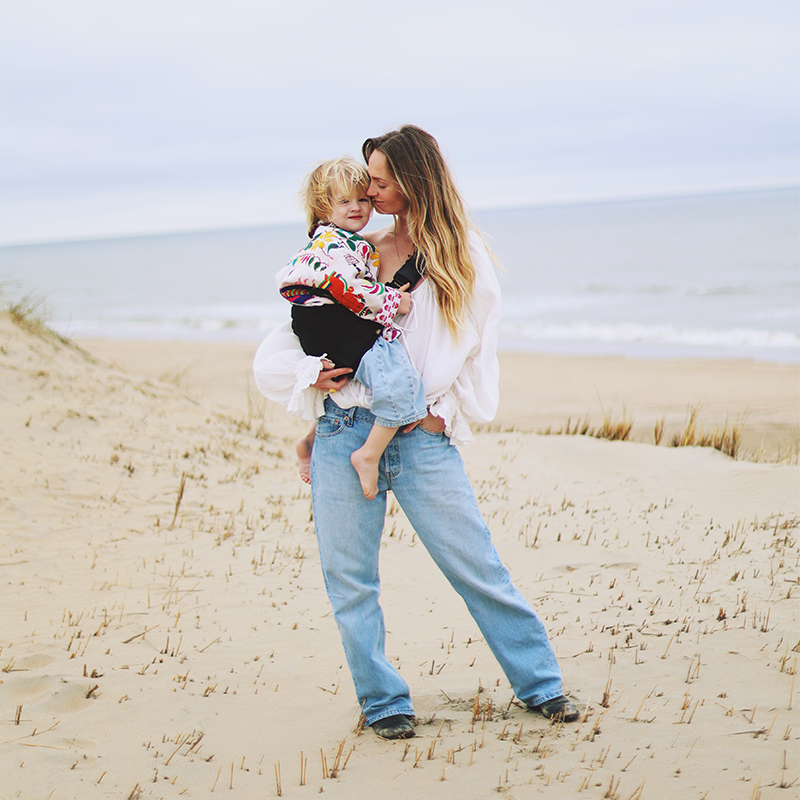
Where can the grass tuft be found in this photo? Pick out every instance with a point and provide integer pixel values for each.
(726, 439)
(614, 430)
(28, 314)
(658, 431)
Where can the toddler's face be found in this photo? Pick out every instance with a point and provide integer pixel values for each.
(351, 213)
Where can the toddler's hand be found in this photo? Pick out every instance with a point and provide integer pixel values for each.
(405, 300)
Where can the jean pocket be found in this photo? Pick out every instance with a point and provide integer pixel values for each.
(435, 434)
(329, 426)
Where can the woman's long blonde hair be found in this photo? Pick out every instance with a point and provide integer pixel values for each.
(437, 221)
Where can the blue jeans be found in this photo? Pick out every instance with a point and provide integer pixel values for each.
(428, 479)
(398, 397)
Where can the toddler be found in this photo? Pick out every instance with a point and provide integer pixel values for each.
(341, 313)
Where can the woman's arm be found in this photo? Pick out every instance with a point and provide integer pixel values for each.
(461, 374)
(285, 374)
(477, 384)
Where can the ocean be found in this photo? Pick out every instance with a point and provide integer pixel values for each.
(713, 276)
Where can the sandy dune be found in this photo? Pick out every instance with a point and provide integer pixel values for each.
(165, 643)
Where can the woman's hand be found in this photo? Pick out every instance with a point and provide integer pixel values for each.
(431, 424)
(325, 382)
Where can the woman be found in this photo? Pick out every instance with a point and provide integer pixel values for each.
(451, 336)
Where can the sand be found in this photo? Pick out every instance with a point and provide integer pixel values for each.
(165, 631)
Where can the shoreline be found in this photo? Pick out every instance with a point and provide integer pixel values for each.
(537, 390)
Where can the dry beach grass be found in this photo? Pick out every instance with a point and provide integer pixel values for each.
(166, 632)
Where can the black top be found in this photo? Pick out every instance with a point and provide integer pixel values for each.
(410, 272)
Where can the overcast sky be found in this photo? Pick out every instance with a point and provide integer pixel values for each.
(164, 115)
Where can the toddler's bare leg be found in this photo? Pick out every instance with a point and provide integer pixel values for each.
(303, 449)
(367, 458)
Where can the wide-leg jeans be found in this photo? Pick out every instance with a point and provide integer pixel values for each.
(427, 477)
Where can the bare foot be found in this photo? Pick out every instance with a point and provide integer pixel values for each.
(367, 469)
(303, 450)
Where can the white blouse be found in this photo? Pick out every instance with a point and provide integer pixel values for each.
(461, 375)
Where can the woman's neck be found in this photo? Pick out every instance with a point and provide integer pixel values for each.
(401, 225)
(402, 236)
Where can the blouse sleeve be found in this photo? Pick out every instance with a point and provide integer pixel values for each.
(478, 383)
(285, 374)
(461, 374)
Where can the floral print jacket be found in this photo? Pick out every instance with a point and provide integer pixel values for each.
(344, 266)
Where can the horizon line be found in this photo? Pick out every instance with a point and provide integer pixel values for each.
(477, 211)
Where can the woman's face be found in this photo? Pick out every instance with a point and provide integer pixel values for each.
(383, 189)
